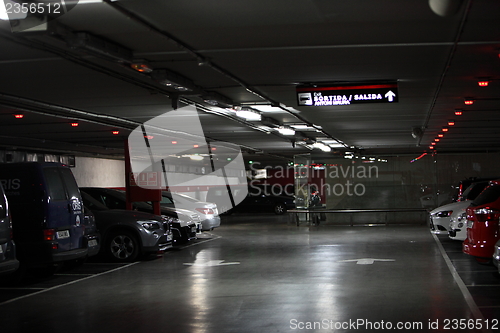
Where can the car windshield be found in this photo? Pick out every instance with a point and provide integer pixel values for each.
(490, 194)
(92, 203)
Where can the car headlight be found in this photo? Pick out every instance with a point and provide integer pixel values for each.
(170, 219)
(443, 213)
(149, 225)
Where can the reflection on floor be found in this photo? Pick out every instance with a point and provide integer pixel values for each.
(260, 273)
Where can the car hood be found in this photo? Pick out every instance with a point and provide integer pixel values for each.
(452, 206)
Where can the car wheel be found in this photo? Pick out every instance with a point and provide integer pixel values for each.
(279, 209)
(122, 246)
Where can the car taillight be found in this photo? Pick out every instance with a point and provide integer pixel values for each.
(205, 211)
(49, 234)
(486, 214)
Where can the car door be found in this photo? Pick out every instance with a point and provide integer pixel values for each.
(64, 208)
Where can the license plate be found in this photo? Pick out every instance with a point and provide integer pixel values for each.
(92, 243)
(62, 234)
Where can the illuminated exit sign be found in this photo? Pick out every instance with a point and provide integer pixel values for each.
(348, 93)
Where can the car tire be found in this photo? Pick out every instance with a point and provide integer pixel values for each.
(122, 246)
(279, 209)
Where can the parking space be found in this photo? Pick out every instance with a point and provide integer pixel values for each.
(38, 281)
(260, 273)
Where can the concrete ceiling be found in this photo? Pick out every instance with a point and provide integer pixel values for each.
(254, 54)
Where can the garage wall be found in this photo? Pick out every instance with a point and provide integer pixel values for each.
(99, 172)
(395, 182)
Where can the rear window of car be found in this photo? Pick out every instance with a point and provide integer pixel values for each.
(474, 190)
(55, 184)
(490, 194)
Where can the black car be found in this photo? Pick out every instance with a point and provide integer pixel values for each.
(184, 224)
(257, 200)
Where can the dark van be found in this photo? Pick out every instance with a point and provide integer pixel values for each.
(8, 260)
(47, 213)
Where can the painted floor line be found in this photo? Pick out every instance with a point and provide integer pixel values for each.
(66, 284)
(198, 243)
(461, 285)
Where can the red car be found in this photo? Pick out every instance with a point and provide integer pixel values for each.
(482, 224)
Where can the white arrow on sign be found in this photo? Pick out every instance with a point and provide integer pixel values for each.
(390, 96)
(365, 261)
(211, 263)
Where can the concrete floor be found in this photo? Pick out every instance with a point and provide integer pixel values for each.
(256, 273)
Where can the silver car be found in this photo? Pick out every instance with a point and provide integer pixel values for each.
(496, 256)
(127, 234)
(207, 211)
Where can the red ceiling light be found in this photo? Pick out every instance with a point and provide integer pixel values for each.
(437, 139)
(431, 147)
(433, 143)
(440, 135)
(174, 142)
(19, 116)
(445, 129)
(75, 124)
(468, 100)
(483, 83)
(115, 132)
(149, 137)
(142, 66)
(195, 146)
(451, 122)
(458, 112)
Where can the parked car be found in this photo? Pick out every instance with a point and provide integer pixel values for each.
(257, 200)
(496, 256)
(482, 224)
(441, 218)
(47, 211)
(128, 234)
(184, 224)
(8, 260)
(91, 232)
(460, 190)
(458, 219)
(207, 211)
(458, 224)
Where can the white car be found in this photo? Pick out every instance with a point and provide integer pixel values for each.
(458, 224)
(207, 211)
(441, 217)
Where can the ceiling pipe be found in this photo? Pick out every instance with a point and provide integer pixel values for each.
(446, 68)
(202, 61)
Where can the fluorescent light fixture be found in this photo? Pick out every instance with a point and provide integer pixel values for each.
(196, 157)
(322, 146)
(12, 15)
(267, 108)
(285, 130)
(248, 114)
